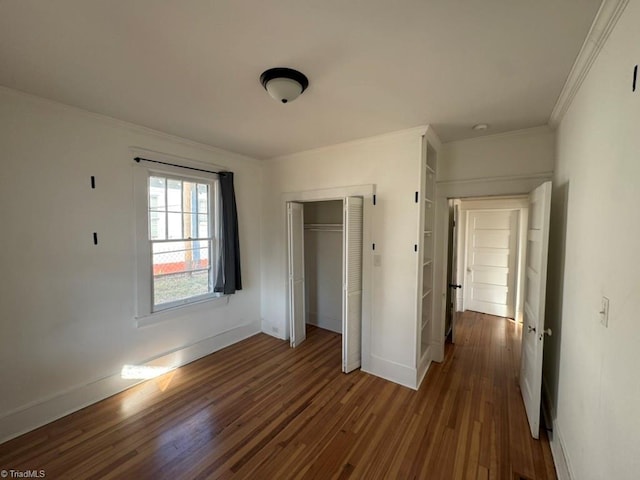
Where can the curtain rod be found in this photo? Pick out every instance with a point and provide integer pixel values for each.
(140, 159)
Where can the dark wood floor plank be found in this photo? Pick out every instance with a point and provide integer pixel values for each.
(259, 409)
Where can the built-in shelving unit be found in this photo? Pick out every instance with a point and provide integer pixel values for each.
(426, 248)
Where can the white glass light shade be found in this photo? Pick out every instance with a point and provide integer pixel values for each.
(283, 89)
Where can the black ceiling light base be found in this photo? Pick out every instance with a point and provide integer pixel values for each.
(288, 74)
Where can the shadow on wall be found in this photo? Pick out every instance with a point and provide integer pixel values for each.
(555, 291)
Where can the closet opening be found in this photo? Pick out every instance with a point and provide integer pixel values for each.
(325, 253)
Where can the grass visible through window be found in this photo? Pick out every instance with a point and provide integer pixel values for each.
(179, 286)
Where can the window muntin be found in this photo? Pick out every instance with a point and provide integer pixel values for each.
(182, 242)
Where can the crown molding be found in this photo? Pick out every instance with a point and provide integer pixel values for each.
(602, 26)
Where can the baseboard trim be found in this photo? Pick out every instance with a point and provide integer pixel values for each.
(423, 367)
(437, 351)
(36, 414)
(560, 459)
(392, 371)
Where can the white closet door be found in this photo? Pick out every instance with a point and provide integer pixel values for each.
(295, 227)
(352, 285)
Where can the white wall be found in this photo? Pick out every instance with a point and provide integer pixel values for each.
(520, 153)
(392, 163)
(591, 371)
(67, 306)
(323, 265)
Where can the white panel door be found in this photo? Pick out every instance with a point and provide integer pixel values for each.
(352, 285)
(295, 228)
(534, 303)
(492, 240)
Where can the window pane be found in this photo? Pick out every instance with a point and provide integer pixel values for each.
(157, 187)
(174, 227)
(201, 254)
(180, 286)
(157, 226)
(174, 195)
(181, 270)
(203, 226)
(190, 225)
(203, 198)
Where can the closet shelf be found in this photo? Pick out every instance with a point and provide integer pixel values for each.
(323, 227)
(427, 262)
(426, 293)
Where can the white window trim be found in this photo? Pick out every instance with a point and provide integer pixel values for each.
(145, 315)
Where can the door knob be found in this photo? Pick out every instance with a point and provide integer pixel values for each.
(451, 285)
(548, 332)
(530, 329)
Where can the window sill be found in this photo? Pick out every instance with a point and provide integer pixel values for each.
(149, 319)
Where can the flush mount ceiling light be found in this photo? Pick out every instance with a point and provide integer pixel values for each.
(284, 84)
(480, 127)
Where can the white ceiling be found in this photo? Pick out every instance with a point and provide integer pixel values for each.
(192, 67)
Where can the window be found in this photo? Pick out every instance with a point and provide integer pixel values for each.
(178, 238)
(181, 239)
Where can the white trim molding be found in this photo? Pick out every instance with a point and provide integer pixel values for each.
(471, 188)
(560, 460)
(389, 370)
(603, 24)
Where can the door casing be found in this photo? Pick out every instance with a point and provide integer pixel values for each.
(503, 186)
(340, 193)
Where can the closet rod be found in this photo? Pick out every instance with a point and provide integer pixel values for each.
(323, 225)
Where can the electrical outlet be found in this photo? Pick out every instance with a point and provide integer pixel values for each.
(604, 312)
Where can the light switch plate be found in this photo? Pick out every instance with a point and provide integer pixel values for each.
(604, 312)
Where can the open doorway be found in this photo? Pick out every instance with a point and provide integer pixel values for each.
(530, 278)
(324, 244)
(323, 252)
(486, 255)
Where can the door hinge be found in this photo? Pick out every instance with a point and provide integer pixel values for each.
(373, 246)
(415, 247)
(374, 199)
(416, 197)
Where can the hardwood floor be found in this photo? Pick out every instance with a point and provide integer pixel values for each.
(261, 410)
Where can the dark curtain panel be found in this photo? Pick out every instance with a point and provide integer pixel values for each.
(229, 278)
